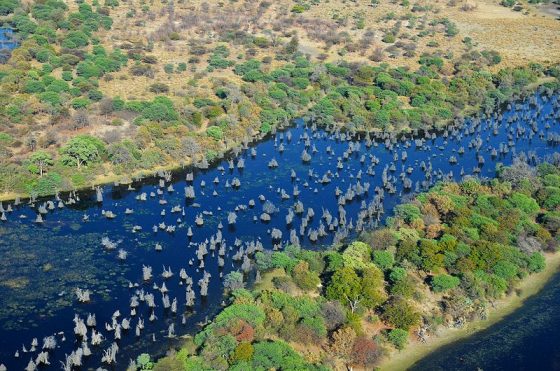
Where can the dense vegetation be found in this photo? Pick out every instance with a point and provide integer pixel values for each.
(50, 88)
(442, 259)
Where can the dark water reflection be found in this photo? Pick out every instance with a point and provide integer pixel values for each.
(42, 265)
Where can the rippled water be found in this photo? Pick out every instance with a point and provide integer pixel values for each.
(42, 264)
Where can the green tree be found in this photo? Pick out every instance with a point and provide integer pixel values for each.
(398, 337)
(357, 255)
(383, 259)
(401, 314)
(8, 6)
(269, 355)
(373, 287)
(345, 286)
(39, 161)
(82, 150)
(243, 352)
(444, 282)
(304, 278)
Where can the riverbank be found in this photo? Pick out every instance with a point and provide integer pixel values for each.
(531, 285)
(110, 177)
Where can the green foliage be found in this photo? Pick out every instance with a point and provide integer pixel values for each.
(143, 362)
(397, 274)
(383, 259)
(399, 313)
(47, 185)
(243, 352)
(80, 103)
(298, 8)
(8, 6)
(82, 150)
(344, 286)
(160, 109)
(304, 278)
(407, 212)
(51, 97)
(39, 161)
(357, 255)
(444, 282)
(505, 269)
(536, 262)
(215, 132)
(399, 338)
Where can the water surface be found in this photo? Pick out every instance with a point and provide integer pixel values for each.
(43, 264)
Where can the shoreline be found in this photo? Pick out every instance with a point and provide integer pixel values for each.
(415, 351)
(174, 166)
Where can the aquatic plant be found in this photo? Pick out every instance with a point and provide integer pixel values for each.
(146, 273)
(83, 295)
(110, 354)
(49, 342)
(108, 244)
(189, 192)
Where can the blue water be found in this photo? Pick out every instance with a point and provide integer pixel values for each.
(44, 263)
(7, 39)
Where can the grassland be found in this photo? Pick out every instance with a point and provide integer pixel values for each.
(230, 71)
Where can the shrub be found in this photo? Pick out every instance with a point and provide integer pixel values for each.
(304, 278)
(444, 282)
(401, 314)
(8, 6)
(143, 362)
(243, 352)
(80, 103)
(215, 132)
(159, 87)
(95, 95)
(383, 259)
(168, 68)
(397, 274)
(536, 262)
(398, 337)
(298, 8)
(365, 352)
(389, 38)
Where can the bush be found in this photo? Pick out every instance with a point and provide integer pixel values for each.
(398, 337)
(215, 132)
(399, 313)
(444, 282)
(397, 274)
(95, 95)
(243, 352)
(143, 362)
(80, 103)
(383, 259)
(389, 38)
(168, 68)
(536, 262)
(298, 8)
(8, 6)
(159, 87)
(304, 278)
